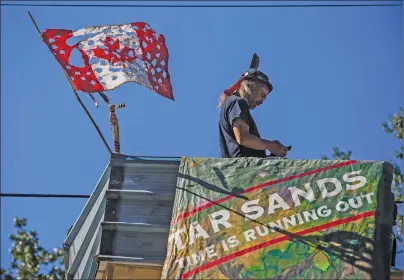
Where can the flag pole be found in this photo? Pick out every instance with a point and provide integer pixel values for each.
(115, 125)
(77, 96)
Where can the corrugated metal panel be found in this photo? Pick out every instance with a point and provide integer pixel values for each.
(142, 208)
(126, 218)
(93, 249)
(158, 178)
(138, 212)
(146, 242)
(81, 236)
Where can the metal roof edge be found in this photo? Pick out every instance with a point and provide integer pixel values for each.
(131, 157)
(134, 227)
(93, 269)
(122, 259)
(138, 195)
(90, 202)
(84, 213)
(89, 240)
(86, 253)
(124, 159)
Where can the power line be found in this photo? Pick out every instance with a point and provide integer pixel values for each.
(41, 195)
(218, 1)
(199, 6)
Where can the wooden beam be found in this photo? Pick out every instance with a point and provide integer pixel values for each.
(127, 270)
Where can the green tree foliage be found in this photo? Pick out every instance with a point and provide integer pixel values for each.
(339, 155)
(29, 259)
(394, 126)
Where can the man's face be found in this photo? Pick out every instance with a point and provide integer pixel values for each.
(259, 94)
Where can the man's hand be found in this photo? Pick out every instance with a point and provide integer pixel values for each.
(244, 138)
(277, 148)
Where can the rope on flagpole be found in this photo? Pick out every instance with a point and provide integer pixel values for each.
(76, 94)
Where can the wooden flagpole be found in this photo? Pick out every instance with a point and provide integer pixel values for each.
(115, 125)
(78, 97)
(113, 118)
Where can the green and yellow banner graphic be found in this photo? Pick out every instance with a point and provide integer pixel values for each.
(251, 218)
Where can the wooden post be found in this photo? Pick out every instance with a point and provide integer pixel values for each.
(115, 125)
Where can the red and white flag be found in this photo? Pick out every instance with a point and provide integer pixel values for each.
(113, 55)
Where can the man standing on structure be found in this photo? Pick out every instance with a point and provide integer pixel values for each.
(239, 136)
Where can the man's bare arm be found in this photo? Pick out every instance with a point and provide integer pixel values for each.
(244, 138)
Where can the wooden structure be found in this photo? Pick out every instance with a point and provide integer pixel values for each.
(115, 125)
(397, 274)
(122, 270)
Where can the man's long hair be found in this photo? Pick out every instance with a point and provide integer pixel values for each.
(245, 90)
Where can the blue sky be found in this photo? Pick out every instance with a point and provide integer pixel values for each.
(337, 75)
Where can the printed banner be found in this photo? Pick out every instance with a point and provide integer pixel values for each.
(251, 218)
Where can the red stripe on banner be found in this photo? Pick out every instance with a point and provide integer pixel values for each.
(274, 241)
(266, 184)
